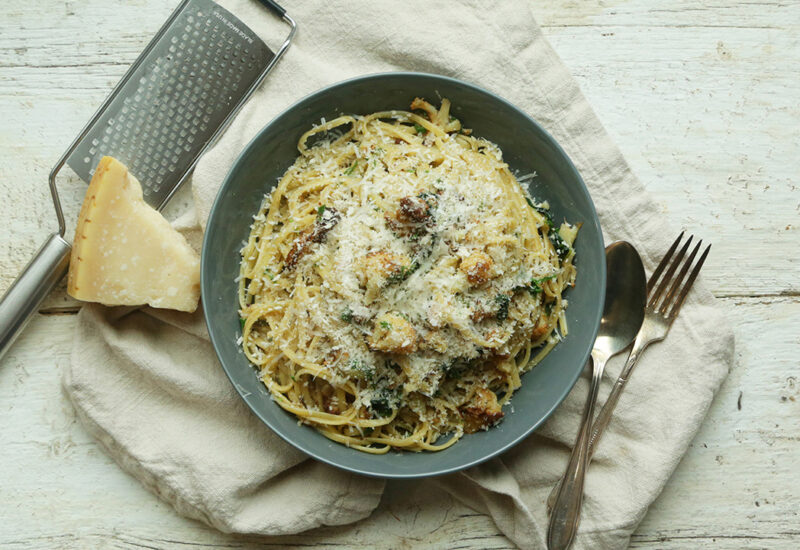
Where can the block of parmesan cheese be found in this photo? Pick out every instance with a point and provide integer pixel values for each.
(125, 252)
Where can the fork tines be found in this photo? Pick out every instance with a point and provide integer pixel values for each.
(655, 301)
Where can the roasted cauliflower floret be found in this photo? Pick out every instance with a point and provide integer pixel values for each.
(413, 209)
(482, 412)
(393, 334)
(380, 268)
(477, 267)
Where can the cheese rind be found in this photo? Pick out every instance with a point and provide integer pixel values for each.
(125, 252)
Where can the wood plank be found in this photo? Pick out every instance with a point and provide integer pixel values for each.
(697, 96)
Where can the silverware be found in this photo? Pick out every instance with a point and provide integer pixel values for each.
(175, 100)
(659, 314)
(623, 313)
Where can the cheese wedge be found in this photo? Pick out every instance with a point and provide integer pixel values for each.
(125, 252)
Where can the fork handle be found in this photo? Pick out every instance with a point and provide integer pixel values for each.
(566, 511)
(604, 416)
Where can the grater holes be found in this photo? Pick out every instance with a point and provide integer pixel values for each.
(177, 99)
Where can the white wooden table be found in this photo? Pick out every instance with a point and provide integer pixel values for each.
(702, 97)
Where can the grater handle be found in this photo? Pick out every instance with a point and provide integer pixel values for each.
(32, 286)
(275, 7)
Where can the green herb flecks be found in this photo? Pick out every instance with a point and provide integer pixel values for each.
(381, 407)
(242, 321)
(360, 370)
(502, 302)
(400, 275)
(320, 211)
(548, 218)
(386, 325)
(347, 315)
(351, 168)
(431, 199)
(420, 129)
(536, 284)
(386, 399)
(561, 247)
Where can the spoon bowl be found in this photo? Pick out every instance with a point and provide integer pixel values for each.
(626, 296)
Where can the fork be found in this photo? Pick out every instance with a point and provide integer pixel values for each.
(663, 304)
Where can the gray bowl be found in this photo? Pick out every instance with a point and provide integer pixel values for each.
(526, 147)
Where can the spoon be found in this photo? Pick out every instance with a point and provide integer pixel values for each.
(623, 313)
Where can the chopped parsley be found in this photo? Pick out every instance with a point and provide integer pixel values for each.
(386, 400)
(241, 322)
(351, 168)
(536, 284)
(502, 301)
(360, 370)
(400, 275)
(417, 234)
(420, 129)
(430, 199)
(561, 247)
(269, 274)
(547, 217)
(347, 315)
(386, 325)
(320, 211)
(381, 407)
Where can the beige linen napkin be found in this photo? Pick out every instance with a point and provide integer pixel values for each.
(149, 387)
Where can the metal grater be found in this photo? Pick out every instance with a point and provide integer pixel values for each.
(179, 92)
(168, 108)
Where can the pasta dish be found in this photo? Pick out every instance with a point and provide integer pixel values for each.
(399, 280)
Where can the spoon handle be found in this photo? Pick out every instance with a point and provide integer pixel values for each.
(604, 416)
(566, 512)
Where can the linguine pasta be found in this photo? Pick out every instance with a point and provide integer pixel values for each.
(398, 281)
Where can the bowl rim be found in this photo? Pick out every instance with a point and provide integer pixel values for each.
(227, 181)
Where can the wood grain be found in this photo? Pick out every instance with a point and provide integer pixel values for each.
(702, 99)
